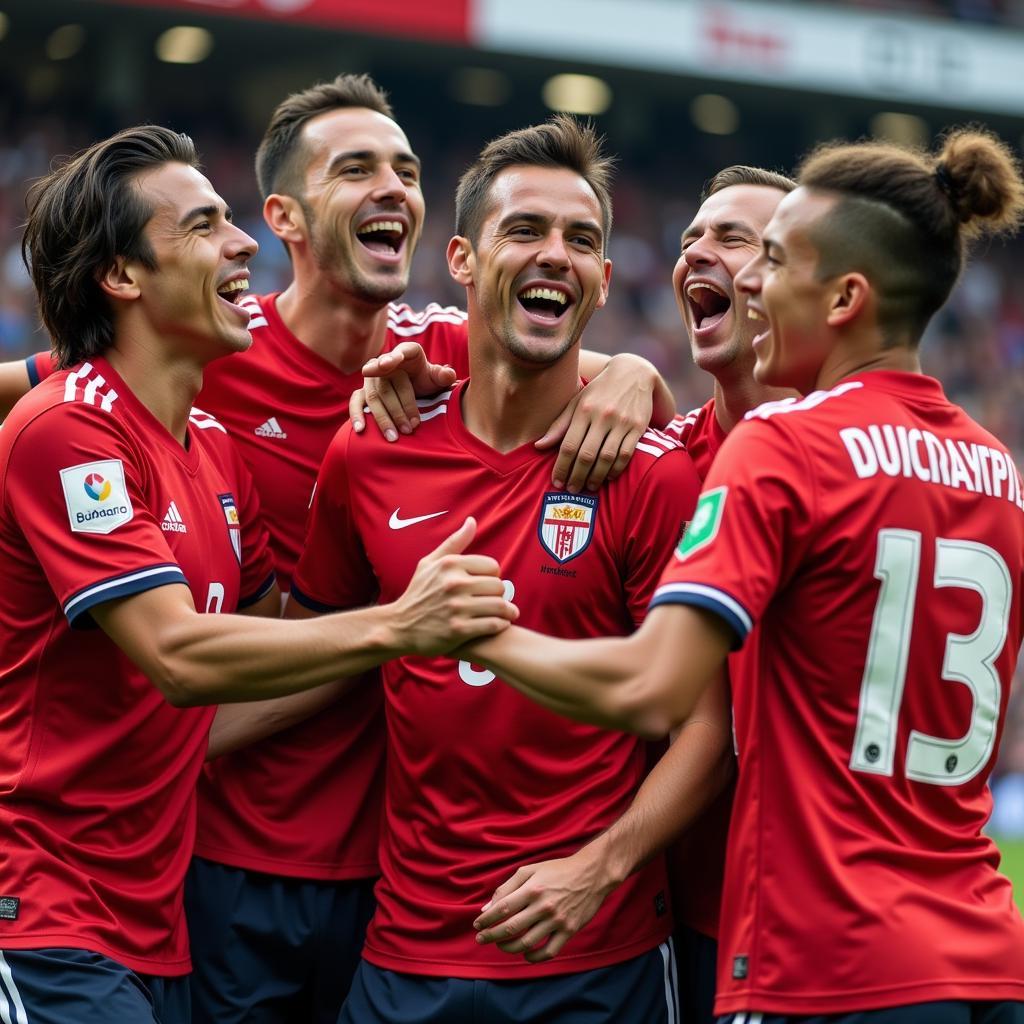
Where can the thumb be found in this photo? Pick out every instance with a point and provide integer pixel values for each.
(457, 542)
(442, 376)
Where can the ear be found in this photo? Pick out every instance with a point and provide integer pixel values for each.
(603, 296)
(852, 297)
(285, 217)
(120, 280)
(460, 260)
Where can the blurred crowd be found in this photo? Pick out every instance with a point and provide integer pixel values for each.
(975, 346)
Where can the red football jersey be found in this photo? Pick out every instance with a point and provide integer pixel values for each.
(479, 779)
(696, 862)
(876, 534)
(307, 802)
(97, 771)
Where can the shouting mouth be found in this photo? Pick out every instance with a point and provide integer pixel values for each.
(545, 303)
(708, 304)
(384, 237)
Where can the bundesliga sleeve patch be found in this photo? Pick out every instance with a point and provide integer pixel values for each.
(96, 496)
(703, 528)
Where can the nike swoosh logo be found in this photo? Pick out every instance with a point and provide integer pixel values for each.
(396, 523)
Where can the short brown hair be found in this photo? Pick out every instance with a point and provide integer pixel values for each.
(906, 217)
(743, 174)
(279, 160)
(560, 142)
(83, 216)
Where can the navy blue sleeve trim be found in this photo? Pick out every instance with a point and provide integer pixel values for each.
(76, 608)
(265, 587)
(731, 619)
(309, 602)
(33, 373)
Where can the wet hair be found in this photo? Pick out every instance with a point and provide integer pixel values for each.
(905, 218)
(281, 158)
(81, 217)
(742, 174)
(561, 142)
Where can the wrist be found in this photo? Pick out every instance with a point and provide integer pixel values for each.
(644, 371)
(609, 863)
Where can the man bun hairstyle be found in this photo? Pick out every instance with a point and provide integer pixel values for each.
(81, 217)
(281, 158)
(906, 217)
(561, 142)
(743, 174)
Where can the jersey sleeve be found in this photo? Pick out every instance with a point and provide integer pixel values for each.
(40, 366)
(751, 522)
(74, 485)
(658, 511)
(334, 572)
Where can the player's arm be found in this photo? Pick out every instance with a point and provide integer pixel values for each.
(207, 659)
(542, 906)
(647, 683)
(238, 725)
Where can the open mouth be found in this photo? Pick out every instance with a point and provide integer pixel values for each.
(232, 291)
(545, 303)
(708, 304)
(383, 237)
(761, 319)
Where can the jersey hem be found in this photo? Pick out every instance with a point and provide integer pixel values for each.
(59, 940)
(308, 602)
(261, 592)
(712, 601)
(313, 872)
(872, 999)
(515, 971)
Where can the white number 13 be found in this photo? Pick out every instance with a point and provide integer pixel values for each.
(969, 660)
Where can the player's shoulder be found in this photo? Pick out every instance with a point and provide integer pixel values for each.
(802, 415)
(80, 394)
(407, 323)
(660, 459)
(256, 306)
(685, 425)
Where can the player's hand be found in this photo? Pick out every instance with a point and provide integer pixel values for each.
(452, 598)
(390, 386)
(542, 906)
(599, 429)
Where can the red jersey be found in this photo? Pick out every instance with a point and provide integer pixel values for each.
(97, 771)
(307, 802)
(479, 779)
(876, 533)
(696, 861)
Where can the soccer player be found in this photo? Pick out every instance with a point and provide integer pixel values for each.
(122, 515)
(281, 889)
(553, 900)
(478, 779)
(876, 534)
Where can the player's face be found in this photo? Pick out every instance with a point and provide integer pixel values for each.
(538, 268)
(190, 298)
(786, 301)
(723, 237)
(363, 204)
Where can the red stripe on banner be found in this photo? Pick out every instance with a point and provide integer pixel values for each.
(446, 20)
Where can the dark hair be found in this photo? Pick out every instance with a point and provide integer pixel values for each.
(560, 142)
(83, 216)
(906, 217)
(280, 162)
(742, 174)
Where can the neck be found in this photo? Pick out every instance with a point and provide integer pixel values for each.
(344, 331)
(165, 384)
(507, 405)
(736, 393)
(863, 354)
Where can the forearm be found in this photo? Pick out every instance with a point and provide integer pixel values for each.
(238, 725)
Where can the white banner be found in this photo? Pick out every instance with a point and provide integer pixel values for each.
(802, 46)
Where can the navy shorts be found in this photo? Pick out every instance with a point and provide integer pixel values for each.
(917, 1013)
(272, 950)
(698, 960)
(639, 991)
(76, 986)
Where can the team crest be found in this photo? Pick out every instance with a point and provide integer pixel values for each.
(566, 524)
(227, 502)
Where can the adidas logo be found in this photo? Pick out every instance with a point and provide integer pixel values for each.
(173, 523)
(271, 429)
